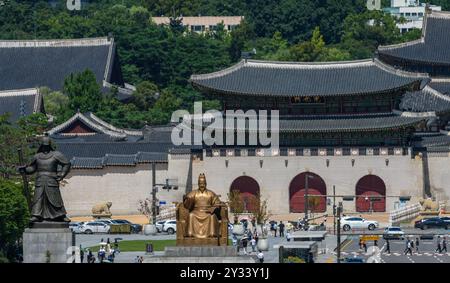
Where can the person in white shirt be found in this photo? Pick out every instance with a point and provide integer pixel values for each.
(260, 257)
(253, 243)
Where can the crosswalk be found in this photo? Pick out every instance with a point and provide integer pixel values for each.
(437, 255)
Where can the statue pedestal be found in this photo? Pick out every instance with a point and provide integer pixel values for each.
(200, 254)
(47, 242)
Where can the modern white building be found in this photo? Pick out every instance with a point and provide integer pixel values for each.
(412, 11)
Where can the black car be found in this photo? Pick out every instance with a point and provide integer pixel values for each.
(135, 228)
(434, 222)
(353, 260)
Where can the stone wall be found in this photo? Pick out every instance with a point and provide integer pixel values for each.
(439, 165)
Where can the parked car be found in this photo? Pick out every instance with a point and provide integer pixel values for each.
(446, 219)
(353, 222)
(75, 226)
(393, 233)
(106, 221)
(160, 224)
(170, 226)
(353, 260)
(94, 227)
(135, 228)
(434, 222)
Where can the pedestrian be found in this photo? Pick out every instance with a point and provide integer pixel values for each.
(234, 241)
(360, 243)
(244, 245)
(253, 243)
(444, 244)
(288, 236)
(412, 246)
(417, 244)
(275, 228)
(81, 254)
(281, 226)
(375, 243)
(245, 222)
(260, 257)
(438, 242)
(253, 222)
(388, 247)
(408, 247)
(364, 246)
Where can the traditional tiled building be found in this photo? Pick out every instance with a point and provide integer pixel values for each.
(46, 63)
(374, 129)
(21, 103)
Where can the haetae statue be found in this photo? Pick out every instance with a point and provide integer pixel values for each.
(102, 209)
(47, 201)
(202, 219)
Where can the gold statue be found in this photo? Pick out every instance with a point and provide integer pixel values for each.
(202, 219)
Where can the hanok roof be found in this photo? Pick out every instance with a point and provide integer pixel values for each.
(20, 103)
(117, 160)
(250, 77)
(432, 47)
(39, 63)
(92, 128)
(340, 123)
(427, 100)
(352, 123)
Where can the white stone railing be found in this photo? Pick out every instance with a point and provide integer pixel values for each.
(406, 213)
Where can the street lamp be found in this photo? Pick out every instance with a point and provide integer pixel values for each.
(307, 177)
(171, 184)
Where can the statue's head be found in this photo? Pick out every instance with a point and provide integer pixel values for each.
(109, 204)
(46, 144)
(202, 182)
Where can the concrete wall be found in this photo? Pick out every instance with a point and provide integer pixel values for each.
(439, 165)
(124, 186)
(402, 176)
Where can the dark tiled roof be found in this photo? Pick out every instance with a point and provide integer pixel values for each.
(443, 86)
(432, 141)
(426, 100)
(20, 103)
(26, 64)
(306, 79)
(117, 160)
(432, 47)
(101, 130)
(100, 149)
(349, 123)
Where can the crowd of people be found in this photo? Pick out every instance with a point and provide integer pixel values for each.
(106, 253)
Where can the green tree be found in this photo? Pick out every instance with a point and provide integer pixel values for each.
(14, 217)
(162, 111)
(83, 91)
(145, 95)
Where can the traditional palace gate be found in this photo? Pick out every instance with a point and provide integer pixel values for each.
(370, 185)
(316, 186)
(249, 189)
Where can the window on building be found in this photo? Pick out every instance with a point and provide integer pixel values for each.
(197, 28)
(420, 14)
(414, 14)
(408, 14)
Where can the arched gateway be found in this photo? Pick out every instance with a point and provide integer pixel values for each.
(297, 190)
(249, 189)
(374, 186)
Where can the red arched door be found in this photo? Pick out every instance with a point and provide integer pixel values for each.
(249, 189)
(316, 186)
(374, 186)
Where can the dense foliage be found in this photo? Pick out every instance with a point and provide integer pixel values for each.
(159, 60)
(14, 217)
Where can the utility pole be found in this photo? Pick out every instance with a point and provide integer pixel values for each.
(154, 188)
(338, 251)
(334, 209)
(306, 198)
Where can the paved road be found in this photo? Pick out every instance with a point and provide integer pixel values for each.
(426, 253)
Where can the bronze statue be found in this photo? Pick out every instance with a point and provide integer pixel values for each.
(202, 219)
(47, 202)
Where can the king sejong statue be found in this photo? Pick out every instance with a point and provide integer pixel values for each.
(202, 205)
(47, 202)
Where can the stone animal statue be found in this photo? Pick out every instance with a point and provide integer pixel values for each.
(102, 208)
(428, 204)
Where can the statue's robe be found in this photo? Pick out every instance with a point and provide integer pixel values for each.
(47, 201)
(202, 222)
